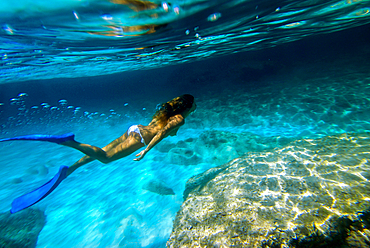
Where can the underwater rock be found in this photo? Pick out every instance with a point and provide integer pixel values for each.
(217, 147)
(309, 193)
(197, 182)
(183, 156)
(158, 187)
(21, 229)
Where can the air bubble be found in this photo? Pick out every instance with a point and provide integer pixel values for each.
(176, 9)
(187, 32)
(44, 113)
(14, 101)
(76, 15)
(107, 17)
(214, 17)
(8, 29)
(63, 102)
(165, 6)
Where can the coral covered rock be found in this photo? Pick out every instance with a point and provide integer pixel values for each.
(21, 229)
(307, 193)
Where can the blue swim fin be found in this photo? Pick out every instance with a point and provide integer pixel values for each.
(38, 194)
(42, 137)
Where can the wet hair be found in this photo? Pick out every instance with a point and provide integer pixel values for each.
(174, 107)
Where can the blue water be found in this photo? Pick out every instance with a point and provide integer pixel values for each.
(88, 38)
(287, 69)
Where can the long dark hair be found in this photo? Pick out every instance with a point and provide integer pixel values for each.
(174, 107)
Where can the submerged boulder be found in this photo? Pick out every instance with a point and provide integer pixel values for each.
(158, 187)
(21, 229)
(309, 193)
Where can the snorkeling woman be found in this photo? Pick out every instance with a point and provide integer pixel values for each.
(166, 121)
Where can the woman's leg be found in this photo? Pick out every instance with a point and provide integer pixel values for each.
(119, 148)
(87, 159)
(84, 160)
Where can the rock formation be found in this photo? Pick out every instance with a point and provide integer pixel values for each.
(309, 193)
(158, 187)
(216, 147)
(21, 229)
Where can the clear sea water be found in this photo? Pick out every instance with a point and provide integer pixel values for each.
(291, 69)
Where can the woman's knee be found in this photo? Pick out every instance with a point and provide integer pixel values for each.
(104, 157)
(105, 160)
(109, 157)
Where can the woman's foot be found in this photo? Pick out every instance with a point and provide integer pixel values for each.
(59, 139)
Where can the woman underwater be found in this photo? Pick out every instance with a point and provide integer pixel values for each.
(166, 121)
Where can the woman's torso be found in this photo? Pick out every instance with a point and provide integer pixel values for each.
(148, 132)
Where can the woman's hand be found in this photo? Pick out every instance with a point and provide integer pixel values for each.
(140, 155)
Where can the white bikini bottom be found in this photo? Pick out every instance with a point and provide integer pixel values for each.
(135, 129)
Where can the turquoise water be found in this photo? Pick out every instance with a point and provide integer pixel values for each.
(59, 75)
(88, 38)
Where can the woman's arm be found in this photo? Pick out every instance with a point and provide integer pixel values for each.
(174, 123)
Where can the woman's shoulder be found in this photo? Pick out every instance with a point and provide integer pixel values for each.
(177, 118)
